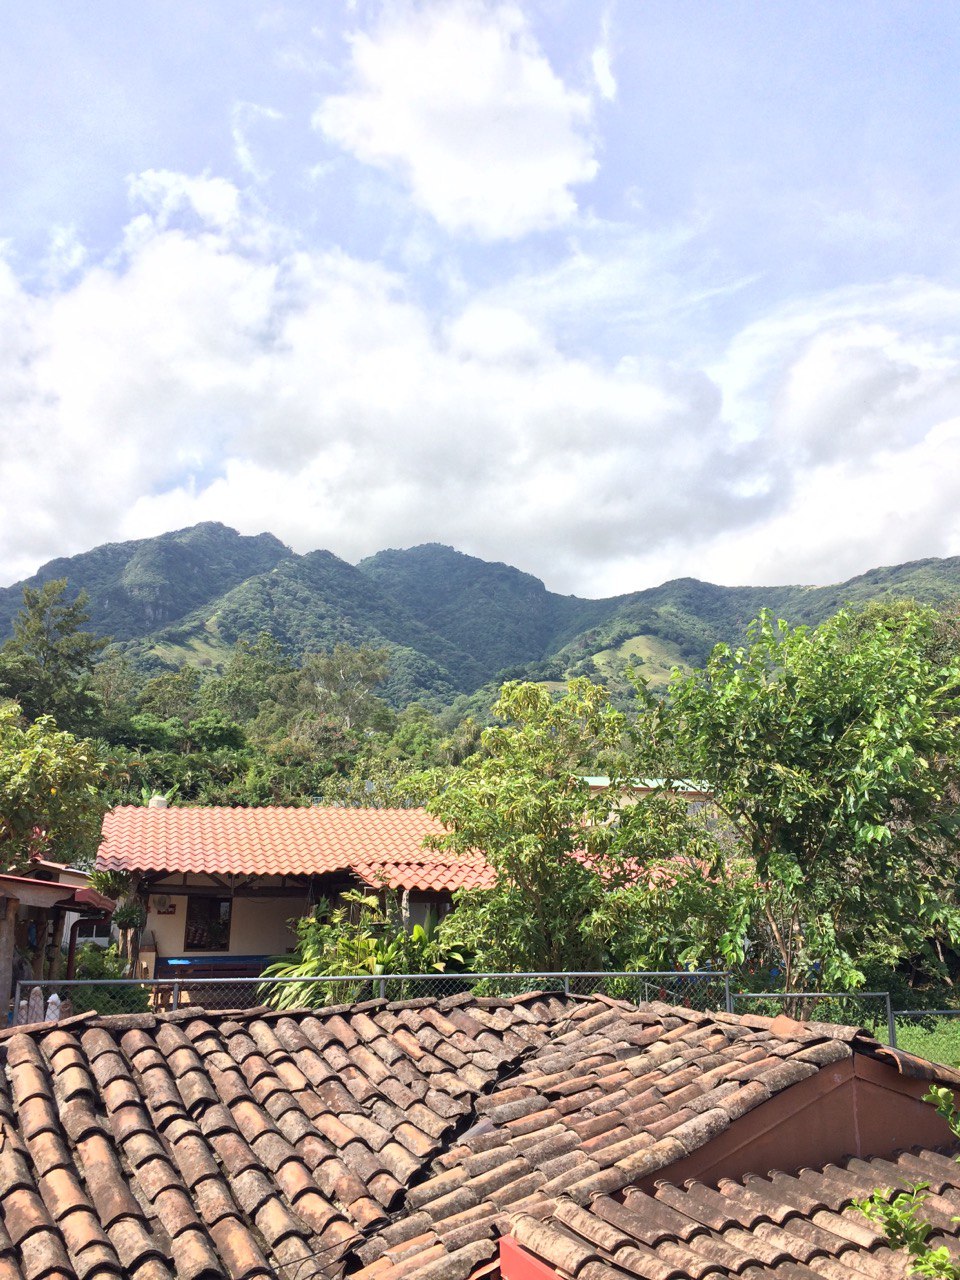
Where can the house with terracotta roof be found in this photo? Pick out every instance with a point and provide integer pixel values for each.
(543, 1137)
(222, 885)
(40, 910)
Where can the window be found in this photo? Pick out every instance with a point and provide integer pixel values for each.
(208, 924)
(94, 931)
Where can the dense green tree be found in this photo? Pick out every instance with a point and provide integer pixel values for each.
(342, 683)
(328, 704)
(679, 890)
(173, 695)
(115, 684)
(248, 680)
(570, 861)
(50, 801)
(522, 804)
(833, 755)
(251, 775)
(46, 666)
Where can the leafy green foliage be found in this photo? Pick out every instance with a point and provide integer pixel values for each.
(50, 800)
(172, 695)
(47, 664)
(683, 895)
(338, 686)
(360, 935)
(113, 884)
(521, 803)
(900, 1216)
(253, 668)
(576, 870)
(105, 964)
(833, 755)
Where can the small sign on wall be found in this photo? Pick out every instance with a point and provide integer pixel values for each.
(163, 904)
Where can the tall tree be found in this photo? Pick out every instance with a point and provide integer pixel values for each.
(343, 683)
(247, 680)
(560, 848)
(115, 684)
(174, 695)
(50, 788)
(833, 754)
(328, 703)
(46, 666)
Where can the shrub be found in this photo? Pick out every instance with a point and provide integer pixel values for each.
(105, 964)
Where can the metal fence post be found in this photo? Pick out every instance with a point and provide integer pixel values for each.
(566, 984)
(383, 988)
(891, 1023)
(727, 994)
(175, 996)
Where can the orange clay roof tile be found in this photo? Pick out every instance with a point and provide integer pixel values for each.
(380, 846)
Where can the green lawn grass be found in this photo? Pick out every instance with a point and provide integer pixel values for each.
(939, 1041)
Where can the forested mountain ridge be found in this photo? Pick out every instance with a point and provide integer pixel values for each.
(310, 603)
(137, 587)
(500, 615)
(452, 622)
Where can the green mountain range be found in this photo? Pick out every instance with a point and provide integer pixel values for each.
(453, 623)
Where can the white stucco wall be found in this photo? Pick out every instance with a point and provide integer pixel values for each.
(258, 926)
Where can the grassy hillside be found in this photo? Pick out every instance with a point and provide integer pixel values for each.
(652, 658)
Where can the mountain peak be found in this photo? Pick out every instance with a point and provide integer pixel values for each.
(451, 621)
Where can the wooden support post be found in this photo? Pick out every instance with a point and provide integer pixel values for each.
(59, 920)
(8, 920)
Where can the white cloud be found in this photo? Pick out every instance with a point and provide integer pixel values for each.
(66, 254)
(601, 62)
(215, 201)
(211, 370)
(848, 402)
(245, 116)
(458, 100)
(194, 379)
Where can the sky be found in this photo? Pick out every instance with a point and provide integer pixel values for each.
(614, 291)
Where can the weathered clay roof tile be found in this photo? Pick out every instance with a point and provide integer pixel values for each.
(405, 1137)
(780, 1221)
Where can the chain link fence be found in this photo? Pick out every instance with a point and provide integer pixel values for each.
(868, 1009)
(701, 989)
(35, 1001)
(930, 1033)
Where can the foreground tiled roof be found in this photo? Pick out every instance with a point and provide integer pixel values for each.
(778, 1226)
(378, 845)
(390, 1140)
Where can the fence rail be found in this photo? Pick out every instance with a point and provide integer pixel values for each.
(696, 990)
(869, 1009)
(928, 1033)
